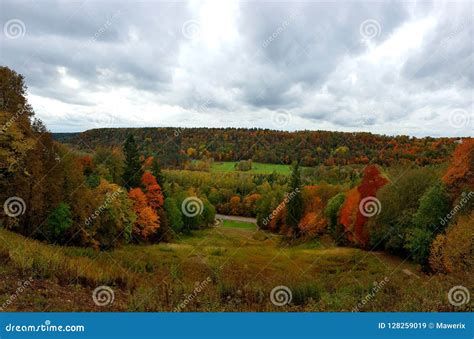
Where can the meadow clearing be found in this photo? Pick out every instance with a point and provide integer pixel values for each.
(257, 168)
(232, 267)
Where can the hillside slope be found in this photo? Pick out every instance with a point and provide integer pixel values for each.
(269, 146)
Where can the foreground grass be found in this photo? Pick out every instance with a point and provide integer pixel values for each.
(219, 269)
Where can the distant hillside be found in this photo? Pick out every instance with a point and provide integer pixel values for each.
(268, 146)
(64, 137)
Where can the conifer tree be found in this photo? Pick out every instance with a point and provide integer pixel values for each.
(133, 167)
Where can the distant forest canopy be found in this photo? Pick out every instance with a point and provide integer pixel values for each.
(175, 145)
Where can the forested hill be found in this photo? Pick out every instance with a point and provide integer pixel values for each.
(269, 146)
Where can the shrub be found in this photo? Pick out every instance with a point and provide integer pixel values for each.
(243, 165)
(59, 221)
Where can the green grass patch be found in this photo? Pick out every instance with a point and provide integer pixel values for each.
(257, 168)
(239, 224)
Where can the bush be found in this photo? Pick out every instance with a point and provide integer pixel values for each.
(59, 221)
(243, 165)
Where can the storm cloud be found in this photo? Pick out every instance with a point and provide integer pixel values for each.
(389, 68)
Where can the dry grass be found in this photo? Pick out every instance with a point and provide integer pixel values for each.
(221, 269)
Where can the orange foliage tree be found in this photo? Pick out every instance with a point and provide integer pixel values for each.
(347, 214)
(147, 221)
(235, 205)
(352, 216)
(460, 174)
(152, 191)
(313, 220)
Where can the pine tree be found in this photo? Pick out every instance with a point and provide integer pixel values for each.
(156, 171)
(133, 167)
(295, 201)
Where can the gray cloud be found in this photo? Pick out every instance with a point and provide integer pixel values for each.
(183, 64)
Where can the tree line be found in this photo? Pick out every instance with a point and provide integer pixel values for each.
(177, 147)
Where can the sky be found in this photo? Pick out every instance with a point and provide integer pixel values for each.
(383, 67)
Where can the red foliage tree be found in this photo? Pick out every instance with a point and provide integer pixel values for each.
(372, 181)
(352, 214)
(460, 174)
(152, 191)
(348, 212)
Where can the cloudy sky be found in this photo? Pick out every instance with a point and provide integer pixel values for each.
(391, 68)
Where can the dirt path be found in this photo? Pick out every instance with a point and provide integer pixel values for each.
(236, 218)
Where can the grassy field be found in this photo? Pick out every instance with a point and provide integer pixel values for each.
(257, 168)
(239, 224)
(219, 269)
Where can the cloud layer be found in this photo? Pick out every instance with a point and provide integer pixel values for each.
(391, 68)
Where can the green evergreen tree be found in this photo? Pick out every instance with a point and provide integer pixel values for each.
(133, 167)
(294, 206)
(156, 171)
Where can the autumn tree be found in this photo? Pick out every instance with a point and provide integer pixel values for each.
(235, 205)
(152, 191)
(453, 250)
(112, 160)
(361, 204)
(113, 218)
(460, 175)
(147, 221)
